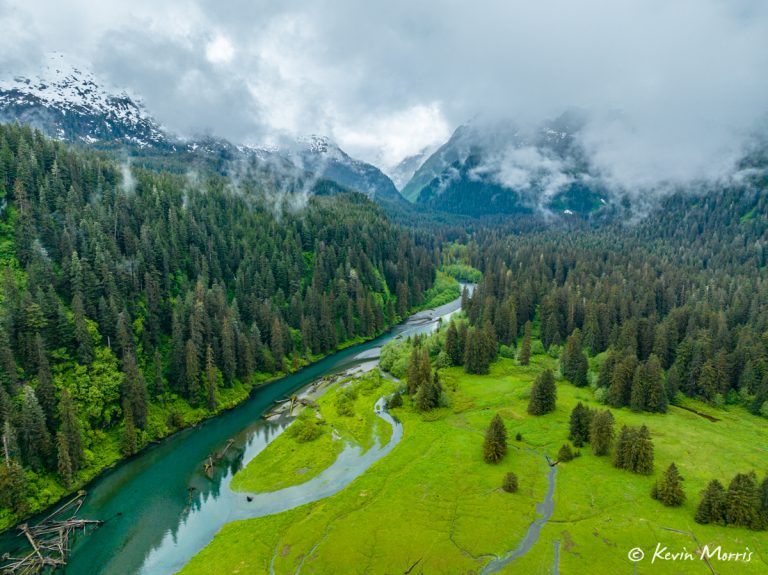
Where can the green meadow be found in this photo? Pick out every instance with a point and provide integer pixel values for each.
(293, 458)
(433, 506)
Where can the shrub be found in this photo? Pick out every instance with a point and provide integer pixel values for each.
(565, 453)
(395, 401)
(510, 483)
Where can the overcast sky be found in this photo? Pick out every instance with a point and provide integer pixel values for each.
(385, 79)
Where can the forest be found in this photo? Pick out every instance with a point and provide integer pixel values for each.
(135, 303)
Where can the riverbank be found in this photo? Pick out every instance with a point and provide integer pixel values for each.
(459, 520)
(173, 415)
(343, 414)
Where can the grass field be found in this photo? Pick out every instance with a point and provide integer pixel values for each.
(434, 505)
(288, 461)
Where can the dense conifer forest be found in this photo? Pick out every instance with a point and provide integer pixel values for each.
(134, 304)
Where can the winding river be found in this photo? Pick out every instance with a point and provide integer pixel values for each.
(158, 507)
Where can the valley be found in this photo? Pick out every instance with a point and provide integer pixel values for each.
(415, 288)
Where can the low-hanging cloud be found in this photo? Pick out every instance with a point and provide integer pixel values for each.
(672, 88)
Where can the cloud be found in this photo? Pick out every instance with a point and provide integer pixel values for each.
(672, 87)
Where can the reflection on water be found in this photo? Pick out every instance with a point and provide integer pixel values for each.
(214, 509)
(159, 508)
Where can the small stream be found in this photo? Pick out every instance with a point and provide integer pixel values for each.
(203, 522)
(545, 510)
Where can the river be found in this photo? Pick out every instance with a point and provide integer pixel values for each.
(159, 508)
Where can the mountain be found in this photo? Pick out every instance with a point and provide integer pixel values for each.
(404, 171)
(499, 168)
(320, 156)
(68, 102)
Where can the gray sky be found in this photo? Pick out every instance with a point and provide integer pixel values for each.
(686, 78)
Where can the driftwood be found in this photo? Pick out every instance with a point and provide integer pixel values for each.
(49, 540)
(215, 458)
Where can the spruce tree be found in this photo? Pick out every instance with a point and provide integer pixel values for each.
(543, 394)
(66, 472)
(742, 501)
(601, 432)
(44, 390)
(573, 361)
(412, 373)
(669, 489)
(34, 439)
(13, 486)
(70, 428)
(623, 454)
(129, 441)
(495, 445)
(642, 452)
(712, 506)
(581, 418)
(452, 347)
(211, 380)
(525, 348)
(656, 389)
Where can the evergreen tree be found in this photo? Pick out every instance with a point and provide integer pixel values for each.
(642, 452)
(510, 483)
(712, 506)
(44, 390)
(211, 380)
(565, 454)
(669, 489)
(129, 442)
(413, 376)
(452, 347)
(573, 361)
(34, 439)
(620, 390)
(622, 457)
(742, 501)
(524, 356)
(71, 430)
(543, 394)
(581, 418)
(495, 445)
(601, 432)
(13, 487)
(656, 391)
(65, 469)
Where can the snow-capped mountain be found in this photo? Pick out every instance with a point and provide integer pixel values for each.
(67, 102)
(498, 167)
(322, 157)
